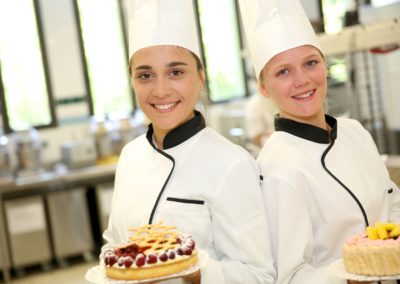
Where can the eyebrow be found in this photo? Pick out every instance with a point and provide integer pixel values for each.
(169, 65)
(176, 63)
(143, 67)
(311, 55)
(308, 57)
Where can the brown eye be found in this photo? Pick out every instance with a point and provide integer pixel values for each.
(311, 63)
(144, 76)
(176, 73)
(282, 72)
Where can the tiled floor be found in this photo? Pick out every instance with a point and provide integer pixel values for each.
(68, 275)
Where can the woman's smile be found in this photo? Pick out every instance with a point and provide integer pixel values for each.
(165, 107)
(305, 96)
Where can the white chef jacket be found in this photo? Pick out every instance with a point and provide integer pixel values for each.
(310, 214)
(207, 187)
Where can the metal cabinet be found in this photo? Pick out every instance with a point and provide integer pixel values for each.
(3, 257)
(4, 260)
(103, 196)
(70, 224)
(27, 232)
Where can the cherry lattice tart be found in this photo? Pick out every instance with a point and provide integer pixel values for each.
(153, 251)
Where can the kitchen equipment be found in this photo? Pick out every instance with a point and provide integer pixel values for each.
(29, 152)
(78, 154)
(122, 134)
(101, 130)
(70, 224)
(5, 165)
(27, 232)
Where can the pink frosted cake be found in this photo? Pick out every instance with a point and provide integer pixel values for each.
(376, 252)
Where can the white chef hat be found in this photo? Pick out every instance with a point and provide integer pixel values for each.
(273, 26)
(162, 22)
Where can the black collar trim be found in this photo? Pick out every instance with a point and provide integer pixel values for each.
(181, 133)
(307, 131)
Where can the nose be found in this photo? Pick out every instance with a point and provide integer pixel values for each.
(161, 88)
(300, 79)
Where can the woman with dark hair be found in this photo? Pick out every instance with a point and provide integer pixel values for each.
(181, 171)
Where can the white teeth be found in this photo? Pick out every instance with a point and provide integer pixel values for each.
(164, 107)
(303, 96)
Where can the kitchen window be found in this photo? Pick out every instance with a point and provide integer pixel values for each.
(25, 97)
(106, 57)
(222, 49)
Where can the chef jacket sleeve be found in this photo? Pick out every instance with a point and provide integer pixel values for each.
(239, 229)
(394, 201)
(110, 235)
(292, 236)
(394, 192)
(110, 238)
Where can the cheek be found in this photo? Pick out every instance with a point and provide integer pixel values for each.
(140, 94)
(321, 76)
(191, 90)
(321, 80)
(280, 88)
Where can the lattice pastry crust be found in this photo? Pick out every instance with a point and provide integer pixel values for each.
(154, 250)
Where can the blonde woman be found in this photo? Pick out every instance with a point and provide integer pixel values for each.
(323, 178)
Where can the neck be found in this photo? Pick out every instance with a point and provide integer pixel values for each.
(317, 120)
(159, 139)
(160, 133)
(329, 129)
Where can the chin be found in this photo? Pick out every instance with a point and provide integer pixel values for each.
(167, 126)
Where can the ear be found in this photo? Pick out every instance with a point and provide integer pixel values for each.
(202, 79)
(263, 89)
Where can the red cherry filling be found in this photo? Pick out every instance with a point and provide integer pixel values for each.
(140, 260)
(163, 257)
(110, 259)
(192, 244)
(133, 254)
(171, 254)
(128, 262)
(151, 258)
(187, 250)
(179, 251)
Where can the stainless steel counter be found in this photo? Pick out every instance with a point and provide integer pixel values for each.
(45, 185)
(56, 180)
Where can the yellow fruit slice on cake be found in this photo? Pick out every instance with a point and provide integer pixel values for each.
(382, 233)
(395, 232)
(372, 233)
(389, 226)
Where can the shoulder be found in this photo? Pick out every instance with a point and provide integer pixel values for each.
(215, 145)
(137, 147)
(353, 129)
(279, 146)
(283, 156)
(136, 144)
(349, 124)
(221, 143)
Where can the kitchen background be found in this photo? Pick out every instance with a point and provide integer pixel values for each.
(67, 109)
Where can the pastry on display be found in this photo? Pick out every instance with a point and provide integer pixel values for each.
(153, 251)
(375, 252)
